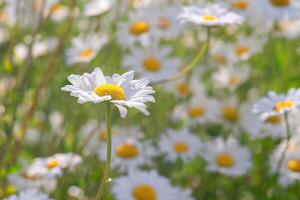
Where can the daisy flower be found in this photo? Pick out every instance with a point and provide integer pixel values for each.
(153, 62)
(97, 7)
(120, 90)
(229, 111)
(57, 11)
(219, 54)
(277, 104)
(85, 48)
(179, 144)
(138, 185)
(209, 16)
(128, 151)
(29, 194)
(231, 77)
(242, 7)
(227, 157)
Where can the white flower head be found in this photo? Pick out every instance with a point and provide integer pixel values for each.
(97, 7)
(29, 195)
(120, 90)
(209, 16)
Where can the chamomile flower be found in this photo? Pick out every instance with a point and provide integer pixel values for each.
(289, 29)
(97, 7)
(153, 62)
(209, 16)
(277, 104)
(229, 112)
(57, 11)
(227, 157)
(231, 77)
(28, 195)
(128, 152)
(242, 7)
(85, 48)
(179, 144)
(120, 90)
(138, 185)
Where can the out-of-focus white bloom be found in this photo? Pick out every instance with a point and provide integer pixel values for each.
(229, 111)
(227, 157)
(29, 195)
(121, 90)
(32, 136)
(3, 35)
(179, 144)
(57, 11)
(56, 120)
(153, 62)
(289, 29)
(231, 77)
(242, 7)
(277, 104)
(97, 7)
(85, 48)
(210, 16)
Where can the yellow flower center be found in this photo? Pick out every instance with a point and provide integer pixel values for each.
(86, 53)
(151, 64)
(219, 58)
(52, 163)
(234, 80)
(144, 192)
(241, 50)
(180, 147)
(115, 91)
(210, 18)
(224, 160)
(273, 119)
(294, 165)
(127, 151)
(230, 114)
(280, 3)
(164, 23)
(283, 105)
(241, 5)
(196, 111)
(103, 136)
(183, 89)
(138, 28)
(56, 7)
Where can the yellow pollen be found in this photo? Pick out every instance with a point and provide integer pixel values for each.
(283, 105)
(294, 165)
(144, 192)
(219, 58)
(241, 5)
(115, 91)
(86, 53)
(273, 119)
(234, 80)
(103, 136)
(52, 163)
(183, 89)
(151, 64)
(196, 111)
(127, 151)
(56, 7)
(230, 114)
(210, 18)
(138, 28)
(164, 23)
(241, 50)
(180, 147)
(224, 160)
(280, 3)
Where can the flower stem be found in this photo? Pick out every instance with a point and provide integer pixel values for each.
(105, 178)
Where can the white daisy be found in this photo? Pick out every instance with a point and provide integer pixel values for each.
(140, 185)
(229, 110)
(29, 195)
(121, 90)
(242, 7)
(85, 48)
(57, 11)
(153, 62)
(277, 104)
(289, 29)
(209, 16)
(97, 7)
(179, 144)
(227, 157)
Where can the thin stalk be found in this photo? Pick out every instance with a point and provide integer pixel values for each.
(105, 178)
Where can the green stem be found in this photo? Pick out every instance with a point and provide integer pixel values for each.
(105, 178)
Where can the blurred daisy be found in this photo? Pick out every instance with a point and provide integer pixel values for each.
(128, 153)
(219, 54)
(97, 7)
(209, 16)
(242, 7)
(57, 11)
(121, 90)
(289, 29)
(179, 144)
(231, 77)
(29, 194)
(85, 48)
(229, 111)
(138, 185)
(227, 157)
(153, 62)
(277, 104)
